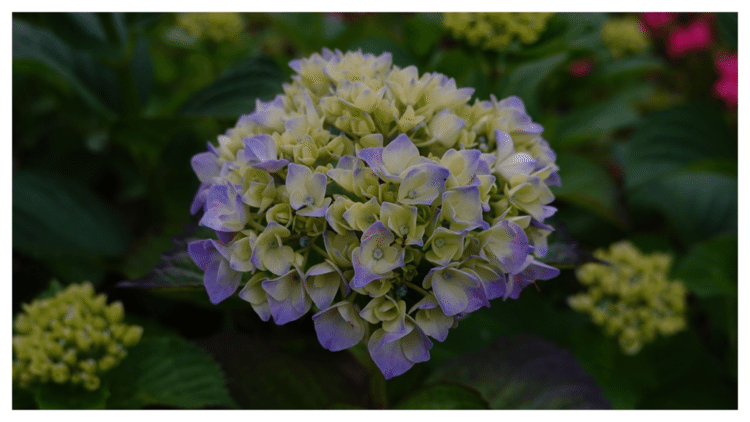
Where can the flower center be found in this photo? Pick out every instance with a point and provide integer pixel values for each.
(377, 254)
(273, 244)
(370, 219)
(309, 200)
(404, 230)
(447, 276)
(439, 243)
(412, 194)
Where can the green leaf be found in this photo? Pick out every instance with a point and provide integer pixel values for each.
(55, 396)
(167, 371)
(89, 24)
(235, 91)
(444, 396)
(671, 140)
(176, 269)
(52, 289)
(629, 66)
(142, 67)
(597, 120)
(54, 218)
(698, 205)
(423, 30)
(287, 372)
(728, 28)
(524, 80)
(710, 268)
(588, 186)
(524, 372)
(23, 399)
(95, 84)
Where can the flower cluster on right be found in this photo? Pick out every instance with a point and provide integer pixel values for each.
(71, 338)
(495, 31)
(632, 297)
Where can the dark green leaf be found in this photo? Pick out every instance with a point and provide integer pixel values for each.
(53, 217)
(587, 185)
(524, 80)
(728, 28)
(525, 372)
(597, 120)
(261, 376)
(23, 399)
(698, 205)
(168, 371)
(177, 269)
(710, 268)
(143, 71)
(88, 24)
(668, 141)
(444, 396)
(629, 66)
(64, 397)
(423, 30)
(95, 84)
(234, 92)
(52, 289)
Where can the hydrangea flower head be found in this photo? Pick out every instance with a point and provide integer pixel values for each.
(378, 198)
(495, 31)
(72, 338)
(632, 297)
(624, 36)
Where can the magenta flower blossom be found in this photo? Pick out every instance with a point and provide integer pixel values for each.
(657, 20)
(726, 87)
(696, 36)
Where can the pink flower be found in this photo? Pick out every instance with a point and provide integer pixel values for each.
(726, 87)
(696, 36)
(580, 68)
(657, 20)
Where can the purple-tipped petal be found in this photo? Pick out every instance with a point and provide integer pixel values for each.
(339, 327)
(362, 274)
(219, 279)
(200, 198)
(394, 356)
(225, 210)
(205, 166)
(287, 298)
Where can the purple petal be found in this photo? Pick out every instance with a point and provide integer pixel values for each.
(200, 198)
(287, 299)
(363, 275)
(219, 279)
(394, 356)
(339, 327)
(205, 166)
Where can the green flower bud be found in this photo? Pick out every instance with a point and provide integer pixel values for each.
(63, 338)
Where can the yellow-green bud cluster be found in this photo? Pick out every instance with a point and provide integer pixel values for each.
(214, 26)
(73, 337)
(495, 31)
(632, 298)
(624, 36)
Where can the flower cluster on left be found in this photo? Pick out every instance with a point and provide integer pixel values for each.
(71, 338)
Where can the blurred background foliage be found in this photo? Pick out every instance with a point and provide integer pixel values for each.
(108, 109)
